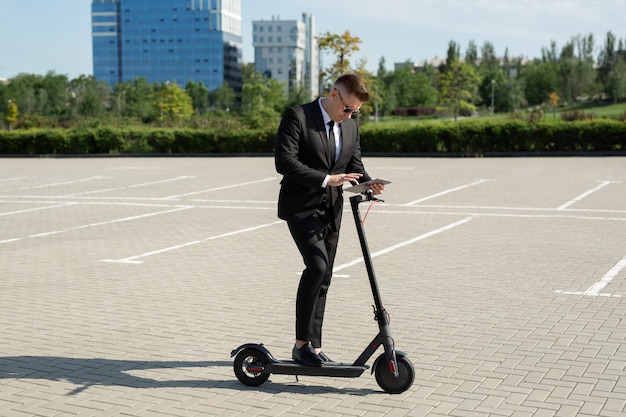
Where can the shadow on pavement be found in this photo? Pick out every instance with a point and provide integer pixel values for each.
(96, 371)
(88, 372)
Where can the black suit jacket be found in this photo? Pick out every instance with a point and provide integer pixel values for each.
(302, 157)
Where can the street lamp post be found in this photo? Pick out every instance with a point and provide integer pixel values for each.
(493, 86)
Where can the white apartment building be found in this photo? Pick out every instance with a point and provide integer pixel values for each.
(287, 51)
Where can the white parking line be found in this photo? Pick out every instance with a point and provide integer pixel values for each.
(128, 187)
(586, 194)
(134, 259)
(447, 192)
(8, 213)
(241, 184)
(606, 279)
(594, 290)
(405, 243)
(86, 226)
(11, 179)
(55, 184)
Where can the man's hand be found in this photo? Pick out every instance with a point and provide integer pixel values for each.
(338, 180)
(377, 188)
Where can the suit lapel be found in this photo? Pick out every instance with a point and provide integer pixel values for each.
(321, 129)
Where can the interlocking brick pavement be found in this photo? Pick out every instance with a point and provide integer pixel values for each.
(126, 282)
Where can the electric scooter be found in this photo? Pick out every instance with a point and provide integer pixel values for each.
(253, 363)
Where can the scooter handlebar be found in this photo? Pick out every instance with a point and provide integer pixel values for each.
(365, 196)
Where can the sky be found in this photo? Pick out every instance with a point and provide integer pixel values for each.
(38, 36)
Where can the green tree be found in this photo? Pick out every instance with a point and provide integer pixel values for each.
(53, 95)
(4, 100)
(406, 88)
(453, 54)
(616, 80)
(23, 87)
(223, 97)
(510, 95)
(199, 94)
(491, 88)
(374, 88)
(576, 72)
(471, 54)
(341, 47)
(382, 70)
(298, 95)
(139, 98)
(578, 77)
(550, 55)
(458, 86)
(90, 97)
(540, 79)
(493, 79)
(262, 101)
(507, 89)
(173, 104)
(585, 47)
(41, 95)
(488, 60)
(607, 58)
(11, 114)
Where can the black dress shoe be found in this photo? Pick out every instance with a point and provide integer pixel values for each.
(306, 356)
(324, 358)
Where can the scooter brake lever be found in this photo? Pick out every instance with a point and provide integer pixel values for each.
(369, 196)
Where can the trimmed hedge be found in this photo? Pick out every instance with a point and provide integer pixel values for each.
(466, 137)
(477, 137)
(110, 140)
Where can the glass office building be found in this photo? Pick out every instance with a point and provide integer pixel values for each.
(168, 41)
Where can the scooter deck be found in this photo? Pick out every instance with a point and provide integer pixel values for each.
(333, 369)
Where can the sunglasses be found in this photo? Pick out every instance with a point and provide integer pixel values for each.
(346, 109)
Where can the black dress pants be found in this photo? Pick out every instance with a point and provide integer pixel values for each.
(316, 238)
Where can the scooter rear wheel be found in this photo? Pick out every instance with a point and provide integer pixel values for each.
(390, 383)
(248, 358)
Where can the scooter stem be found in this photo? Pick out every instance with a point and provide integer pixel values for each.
(354, 202)
(381, 316)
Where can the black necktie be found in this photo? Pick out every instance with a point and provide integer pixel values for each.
(331, 142)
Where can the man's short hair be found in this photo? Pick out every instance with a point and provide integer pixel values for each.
(354, 85)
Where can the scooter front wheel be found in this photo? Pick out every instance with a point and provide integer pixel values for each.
(390, 383)
(244, 363)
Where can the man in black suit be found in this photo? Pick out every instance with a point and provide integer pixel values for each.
(318, 149)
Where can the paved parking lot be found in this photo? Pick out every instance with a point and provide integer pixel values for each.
(126, 282)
